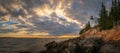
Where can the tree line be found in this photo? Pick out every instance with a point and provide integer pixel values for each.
(107, 19)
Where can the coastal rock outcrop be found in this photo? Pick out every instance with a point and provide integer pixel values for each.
(88, 45)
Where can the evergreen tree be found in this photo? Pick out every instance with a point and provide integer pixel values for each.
(87, 27)
(109, 23)
(103, 18)
(115, 12)
(118, 12)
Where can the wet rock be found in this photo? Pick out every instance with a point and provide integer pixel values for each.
(88, 45)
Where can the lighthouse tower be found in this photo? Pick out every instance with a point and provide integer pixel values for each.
(93, 21)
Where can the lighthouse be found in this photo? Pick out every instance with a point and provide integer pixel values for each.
(93, 21)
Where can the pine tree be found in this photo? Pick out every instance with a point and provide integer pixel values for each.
(103, 18)
(118, 11)
(109, 23)
(115, 12)
(87, 27)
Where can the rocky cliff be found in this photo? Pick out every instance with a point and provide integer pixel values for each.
(111, 34)
(92, 41)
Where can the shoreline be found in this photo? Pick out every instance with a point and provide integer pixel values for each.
(41, 37)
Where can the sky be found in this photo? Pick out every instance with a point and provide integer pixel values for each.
(48, 17)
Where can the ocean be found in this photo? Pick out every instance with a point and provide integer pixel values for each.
(14, 45)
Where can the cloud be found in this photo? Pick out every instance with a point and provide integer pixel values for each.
(51, 16)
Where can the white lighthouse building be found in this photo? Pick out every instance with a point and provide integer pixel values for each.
(93, 21)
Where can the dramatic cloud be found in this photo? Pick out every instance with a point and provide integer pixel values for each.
(51, 17)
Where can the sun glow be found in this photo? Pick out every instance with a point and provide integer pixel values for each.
(59, 10)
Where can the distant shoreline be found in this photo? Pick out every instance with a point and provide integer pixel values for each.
(42, 37)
